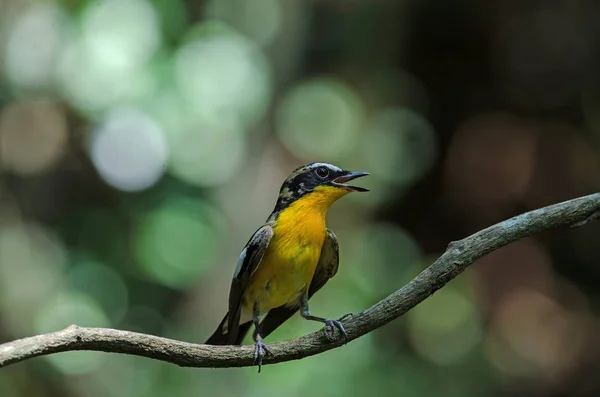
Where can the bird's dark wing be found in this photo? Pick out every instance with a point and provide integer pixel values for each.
(328, 263)
(326, 269)
(247, 264)
(229, 330)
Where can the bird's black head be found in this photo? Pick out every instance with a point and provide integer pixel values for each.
(322, 179)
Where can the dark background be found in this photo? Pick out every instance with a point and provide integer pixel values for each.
(142, 142)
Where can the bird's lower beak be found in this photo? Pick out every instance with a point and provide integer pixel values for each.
(341, 180)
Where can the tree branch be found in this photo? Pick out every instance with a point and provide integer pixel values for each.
(458, 256)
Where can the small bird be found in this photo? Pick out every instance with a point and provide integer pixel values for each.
(288, 259)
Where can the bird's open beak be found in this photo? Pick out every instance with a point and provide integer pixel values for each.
(348, 176)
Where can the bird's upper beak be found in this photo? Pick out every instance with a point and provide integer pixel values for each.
(348, 176)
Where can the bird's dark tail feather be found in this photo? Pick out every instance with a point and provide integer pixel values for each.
(219, 337)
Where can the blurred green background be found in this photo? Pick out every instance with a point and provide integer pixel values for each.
(143, 141)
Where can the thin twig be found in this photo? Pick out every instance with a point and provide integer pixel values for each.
(457, 258)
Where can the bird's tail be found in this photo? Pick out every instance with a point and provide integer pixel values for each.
(221, 335)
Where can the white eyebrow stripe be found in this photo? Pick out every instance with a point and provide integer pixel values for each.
(330, 166)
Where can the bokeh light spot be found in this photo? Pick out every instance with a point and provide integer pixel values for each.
(129, 150)
(33, 136)
(259, 20)
(106, 63)
(320, 118)
(30, 256)
(177, 241)
(445, 327)
(383, 246)
(501, 147)
(33, 46)
(111, 34)
(534, 335)
(101, 283)
(223, 75)
(208, 153)
(400, 146)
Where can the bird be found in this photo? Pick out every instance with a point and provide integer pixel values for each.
(287, 260)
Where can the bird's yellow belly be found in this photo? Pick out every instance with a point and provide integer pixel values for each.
(286, 269)
(280, 280)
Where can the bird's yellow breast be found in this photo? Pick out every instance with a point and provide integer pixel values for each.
(289, 264)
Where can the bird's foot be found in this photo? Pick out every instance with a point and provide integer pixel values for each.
(331, 325)
(260, 351)
(345, 316)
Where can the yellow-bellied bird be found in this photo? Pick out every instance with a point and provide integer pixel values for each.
(288, 259)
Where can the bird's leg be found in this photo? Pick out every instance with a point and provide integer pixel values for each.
(260, 349)
(330, 324)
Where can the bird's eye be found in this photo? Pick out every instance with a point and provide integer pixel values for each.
(322, 172)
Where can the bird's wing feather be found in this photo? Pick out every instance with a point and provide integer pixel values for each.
(328, 263)
(248, 262)
(326, 269)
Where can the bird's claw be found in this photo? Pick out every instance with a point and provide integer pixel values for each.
(333, 324)
(345, 316)
(260, 351)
